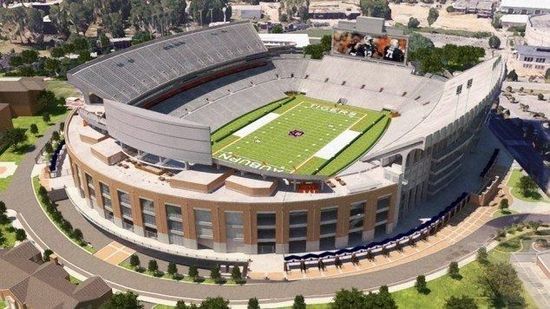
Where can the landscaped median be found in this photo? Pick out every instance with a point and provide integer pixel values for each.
(75, 235)
(134, 264)
(524, 188)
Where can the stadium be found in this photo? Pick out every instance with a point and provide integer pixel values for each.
(207, 141)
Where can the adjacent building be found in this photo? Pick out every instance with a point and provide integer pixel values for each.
(246, 12)
(5, 118)
(525, 7)
(28, 282)
(21, 94)
(533, 60)
(483, 8)
(537, 31)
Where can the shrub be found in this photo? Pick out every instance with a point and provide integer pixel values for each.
(540, 97)
(253, 303)
(77, 235)
(503, 204)
(152, 266)
(236, 273)
(454, 271)
(413, 23)
(299, 302)
(55, 136)
(482, 256)
(134, 260)
(46, 255)
(46, 117)
(20, 235)
(421, 285)
(34, 129)
(172, 269)
(450, 9)
(193, 272)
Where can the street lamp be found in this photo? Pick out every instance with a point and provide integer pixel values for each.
(224, 16)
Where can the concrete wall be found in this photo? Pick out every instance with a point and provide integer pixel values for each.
(158, 134)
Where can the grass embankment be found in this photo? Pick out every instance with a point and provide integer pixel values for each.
(513, 183)
(82, 244)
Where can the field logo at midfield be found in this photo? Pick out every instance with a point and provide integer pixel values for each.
(229, 157)
(333, 110)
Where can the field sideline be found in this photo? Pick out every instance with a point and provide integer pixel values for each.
(299, 135)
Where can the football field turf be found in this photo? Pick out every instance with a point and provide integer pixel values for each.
(300, 136)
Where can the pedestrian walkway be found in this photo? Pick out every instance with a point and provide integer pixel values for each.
(114, 253)
(7, 169)
(464, 224)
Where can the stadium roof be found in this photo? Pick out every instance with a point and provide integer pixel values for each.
(126, 75)
(300, 39)
(531, 4)
(515, 18)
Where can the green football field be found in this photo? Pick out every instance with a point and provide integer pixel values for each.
(299, 135)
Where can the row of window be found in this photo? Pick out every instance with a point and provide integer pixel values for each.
(538, 60)
(266, 221)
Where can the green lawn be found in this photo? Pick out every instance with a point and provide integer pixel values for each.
(271, 147)
(516, 192)
(9, 237)
(57, 114)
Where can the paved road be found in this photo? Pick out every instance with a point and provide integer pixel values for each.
(20, 197)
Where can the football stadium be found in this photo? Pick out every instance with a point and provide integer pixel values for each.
(208, 142)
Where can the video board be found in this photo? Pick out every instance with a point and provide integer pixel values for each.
(370, 46)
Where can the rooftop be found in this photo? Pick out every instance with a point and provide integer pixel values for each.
(530, 4)
(44, 285)
(540, 22)
(535, 51)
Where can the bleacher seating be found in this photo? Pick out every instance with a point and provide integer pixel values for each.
(126, 75)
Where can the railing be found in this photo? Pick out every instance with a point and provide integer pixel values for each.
(397, 242)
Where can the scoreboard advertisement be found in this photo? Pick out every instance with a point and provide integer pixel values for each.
(381, 47)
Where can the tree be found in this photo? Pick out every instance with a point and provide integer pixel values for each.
(535, 225)
(46, 117)
(214, 303)
(503, 204)
(236, 273)
(527, 185)
(413, 23)
(20, 235)
(134, 260)
(421, 285)
(450, 9)
(216, 275)
(14, 137)
(48, 148)
(34, 129)
(375, 8)
(126, 300)
(433, 15)
(482, 256)
(512, 76)
(77, 234)
(193, 272)
(84, 56)
(454, 271)
(3, 208)
(153, 266)
(540, 96)
(462, 302)
(299, 302)
(55, 136)
(53, 66)
(57, 52)
(46, 255)
(494, 42)
(172, 269)
(314, 50)
(114, 24)
(349, 299)
(417, 41)
(205, 10)
(501, 284)
(326, 42)
(141, 37)
(253, 303)
(278, 28)
(29, 56)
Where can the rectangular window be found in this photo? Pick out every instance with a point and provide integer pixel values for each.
(175, 226)
(266, 219)
(298, 232)
(266, 234)
(149, 220)
(297, 217)
(173, 212)
(327, 229)
(383, 203)
(329, 214)
(124, 199)
(203, 224)
(382, 216)
(147, 206)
